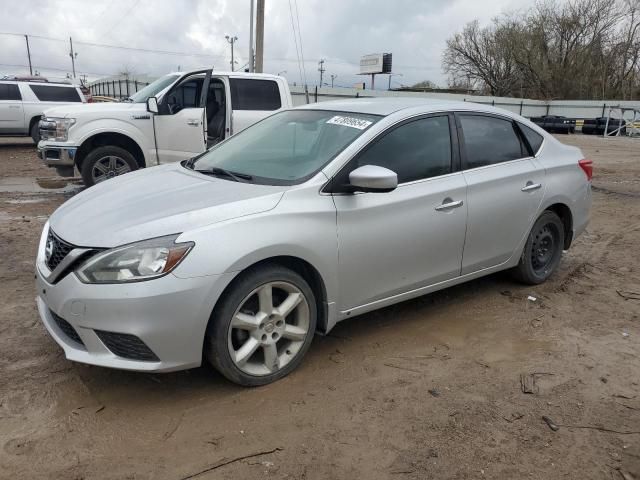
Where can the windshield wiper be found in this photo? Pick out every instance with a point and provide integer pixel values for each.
(238, 177)
(127, 100)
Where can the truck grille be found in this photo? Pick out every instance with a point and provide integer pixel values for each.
(59, 250)
(66, 328)
(127, 346)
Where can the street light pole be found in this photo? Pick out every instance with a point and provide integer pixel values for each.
(251, 39)
(26, 37)
(333, 77)
(231, 41)
(73, 56)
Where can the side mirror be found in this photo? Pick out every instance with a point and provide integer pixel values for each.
(152, 105)
(372, 178)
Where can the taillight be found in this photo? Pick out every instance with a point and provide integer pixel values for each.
(587, 167)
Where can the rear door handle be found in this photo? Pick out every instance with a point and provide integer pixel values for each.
(530, 186)
(448, 204)
(193, 122)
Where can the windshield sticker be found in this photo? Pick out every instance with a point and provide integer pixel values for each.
(349, 122)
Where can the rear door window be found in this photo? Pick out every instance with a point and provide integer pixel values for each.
(53, 93)
(253, 94)
(489, 140)
(9, 91)
(534, 138)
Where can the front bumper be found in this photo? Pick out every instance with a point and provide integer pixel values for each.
(169, 315)
(56, 155)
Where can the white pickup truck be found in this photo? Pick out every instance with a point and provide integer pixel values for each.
(174, 118)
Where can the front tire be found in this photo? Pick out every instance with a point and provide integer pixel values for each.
(542, 251)
(262, 326)
(106, 162)
(35, 132)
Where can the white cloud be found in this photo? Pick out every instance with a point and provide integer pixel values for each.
(340, 31)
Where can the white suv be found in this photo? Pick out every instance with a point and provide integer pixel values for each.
(22, 103)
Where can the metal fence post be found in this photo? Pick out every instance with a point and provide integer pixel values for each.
(521, 104)
(604, 106)
(113, 84)
(135, 85)
(127, 81)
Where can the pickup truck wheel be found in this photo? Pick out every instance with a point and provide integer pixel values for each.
(106, 162)
(35, 132)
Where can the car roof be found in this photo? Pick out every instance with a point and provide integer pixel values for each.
(35, 82)
(230, 74)
(389, 105)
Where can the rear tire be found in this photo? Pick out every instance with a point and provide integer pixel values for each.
(262, 326)
(35, 132)
(106, 162)
(542, 251)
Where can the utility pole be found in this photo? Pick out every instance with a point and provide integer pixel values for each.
(231, 41)
(26, 37)
(333, 77)
(73, 56)
(259, 36)
(321, 69)
(251, 58)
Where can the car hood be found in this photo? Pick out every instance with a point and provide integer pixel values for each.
(96, 109)
(154, 202)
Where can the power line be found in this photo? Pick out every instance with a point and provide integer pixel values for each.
(295, 40)
(120, 17)
(304, 70)
(120, 47)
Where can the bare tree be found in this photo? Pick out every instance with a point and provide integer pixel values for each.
(576, 49)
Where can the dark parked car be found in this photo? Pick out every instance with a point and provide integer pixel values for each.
(555, 123)
(596, 126)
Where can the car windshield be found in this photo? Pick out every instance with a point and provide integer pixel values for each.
(286, 148)
(152, 89)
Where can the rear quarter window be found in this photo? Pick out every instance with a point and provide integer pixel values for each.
(52, 93)
(534, 138)
(9, 91)
(249, 94)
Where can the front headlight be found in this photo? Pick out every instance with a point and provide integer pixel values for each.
(135, 262)
(56, 129)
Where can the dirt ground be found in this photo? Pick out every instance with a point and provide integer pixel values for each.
(429, 388)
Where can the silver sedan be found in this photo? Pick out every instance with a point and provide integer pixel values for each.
(309, 217)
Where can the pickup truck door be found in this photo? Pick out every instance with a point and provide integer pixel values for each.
(11, 110)
(180, 126)
(253, 99)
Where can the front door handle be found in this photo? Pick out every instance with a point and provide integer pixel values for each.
(193, 122)
(530, 186)
(448, 204)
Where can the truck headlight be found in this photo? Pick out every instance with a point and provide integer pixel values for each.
(56, 129)
(135, 262)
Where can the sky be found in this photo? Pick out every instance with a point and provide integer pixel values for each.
(191, 33)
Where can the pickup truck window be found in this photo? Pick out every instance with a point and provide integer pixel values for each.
(9, 91)
(153, 89)
(51, 93)
(286, 148)
(253, 94)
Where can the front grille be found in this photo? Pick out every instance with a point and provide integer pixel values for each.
(127, 346)
(66, 327)
(56, 249)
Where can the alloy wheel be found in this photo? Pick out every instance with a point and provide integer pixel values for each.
(269, 328)
(109, 167)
